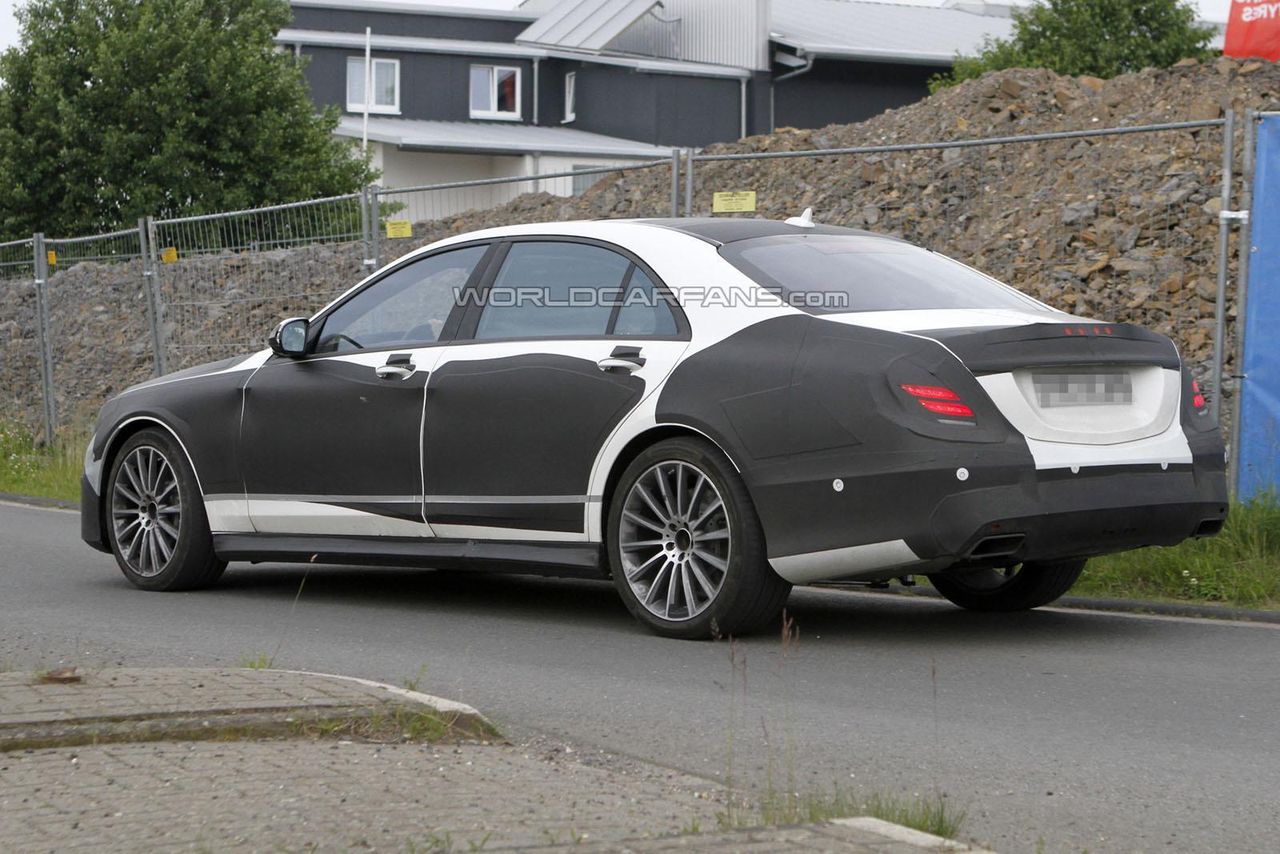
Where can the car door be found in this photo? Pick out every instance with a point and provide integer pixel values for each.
(331, 442)
(564, 339)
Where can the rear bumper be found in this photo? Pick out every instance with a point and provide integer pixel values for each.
(1060, 515)
(91, 517)
(926, 520)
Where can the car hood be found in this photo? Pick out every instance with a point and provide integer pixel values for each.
(196, 371)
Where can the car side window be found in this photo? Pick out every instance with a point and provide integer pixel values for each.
(644, 310)
(553, 289)
(406, 308)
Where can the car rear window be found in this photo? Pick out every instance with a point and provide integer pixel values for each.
(833, 273)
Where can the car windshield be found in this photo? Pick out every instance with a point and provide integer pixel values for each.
(833, 273)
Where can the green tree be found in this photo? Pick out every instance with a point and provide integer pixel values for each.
(1098, 37)
(114, 109)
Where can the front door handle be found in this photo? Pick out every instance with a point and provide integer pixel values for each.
(394, 372)
(399, 366)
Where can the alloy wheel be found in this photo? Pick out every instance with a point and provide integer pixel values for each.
(674, 539)
(146, 510)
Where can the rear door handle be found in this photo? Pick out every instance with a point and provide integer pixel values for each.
(622, 359)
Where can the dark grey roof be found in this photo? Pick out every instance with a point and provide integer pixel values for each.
(585, 24)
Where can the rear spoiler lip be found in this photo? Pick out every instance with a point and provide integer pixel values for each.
(997, 350)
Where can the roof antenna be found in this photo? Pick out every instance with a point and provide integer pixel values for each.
(805, 220)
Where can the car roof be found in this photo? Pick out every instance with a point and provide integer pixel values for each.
(722, 230)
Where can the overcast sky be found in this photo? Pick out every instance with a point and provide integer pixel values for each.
(1215, 10)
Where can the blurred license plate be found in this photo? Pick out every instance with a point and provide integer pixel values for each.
(1091, 389)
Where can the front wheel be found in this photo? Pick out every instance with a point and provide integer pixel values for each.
(1016, 588)
(685, 547)
(155, 516)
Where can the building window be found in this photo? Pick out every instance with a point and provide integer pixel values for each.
(386, 85)
(570, 87)
(495, 92)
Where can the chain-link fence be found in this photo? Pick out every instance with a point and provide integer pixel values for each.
(98, 337)
(409, 217)
(222, 280)
(1091, 235)
(20, 363)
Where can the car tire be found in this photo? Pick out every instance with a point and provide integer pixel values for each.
(1019, 588)
(682, 528)
(155, 517)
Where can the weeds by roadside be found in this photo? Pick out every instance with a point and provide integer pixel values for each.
(1240, 566)
(28, 467)
(788, 805)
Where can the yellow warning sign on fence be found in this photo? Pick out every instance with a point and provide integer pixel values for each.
(736, 202)
(399, 228)
(52, 257)
(169, 254)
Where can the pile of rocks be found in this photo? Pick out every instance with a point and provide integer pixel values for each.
(1121, 228)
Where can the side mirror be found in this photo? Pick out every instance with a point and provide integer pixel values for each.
(290, 337)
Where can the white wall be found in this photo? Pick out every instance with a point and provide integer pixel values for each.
(418, 168)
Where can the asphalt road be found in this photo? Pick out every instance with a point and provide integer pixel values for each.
(1054, 730)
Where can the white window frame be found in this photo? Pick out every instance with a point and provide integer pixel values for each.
(570, 97)
(516, 116)
(358, 106)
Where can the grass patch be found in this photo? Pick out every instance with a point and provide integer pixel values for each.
(28, 467)
(932, 814)
(1240, 566)
(256, 662)
(928, 815)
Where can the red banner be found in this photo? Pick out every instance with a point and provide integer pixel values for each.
(1253, 30)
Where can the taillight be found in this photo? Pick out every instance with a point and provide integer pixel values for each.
(933, 392)
(941, 407)
(939, 400)
(1197, 396)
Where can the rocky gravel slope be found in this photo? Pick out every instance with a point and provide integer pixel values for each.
(1122, 228)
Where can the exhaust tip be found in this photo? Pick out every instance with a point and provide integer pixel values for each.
(998, 546)
(1208, 528)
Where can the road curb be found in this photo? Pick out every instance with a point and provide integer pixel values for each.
(907, 835)
(465, 716)
(38, 501)
(74, 710)
(1127, 606)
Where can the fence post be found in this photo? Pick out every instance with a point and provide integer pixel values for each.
(675, 182)
(151, 292)
(42, 330)
(1244, 248)
(155, 301)
(369, 263)
(375, 225)
(1224, 240)
(688, 182)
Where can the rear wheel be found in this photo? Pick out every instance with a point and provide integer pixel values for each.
(156, 521)
(1015, 588)
(685, 547)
